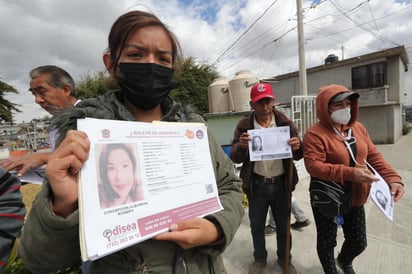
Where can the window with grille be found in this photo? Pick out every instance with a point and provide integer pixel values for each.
(369, 76)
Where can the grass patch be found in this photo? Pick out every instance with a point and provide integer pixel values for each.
(29, 192)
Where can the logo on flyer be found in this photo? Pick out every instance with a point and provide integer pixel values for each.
(200, 134)
(189, 134)
(105, 133)
(119, 231)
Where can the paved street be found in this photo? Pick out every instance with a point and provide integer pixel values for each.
(389, 243)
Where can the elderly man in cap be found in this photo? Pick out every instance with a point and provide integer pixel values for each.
(266, 183)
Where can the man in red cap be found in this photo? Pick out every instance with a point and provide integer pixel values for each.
(265, 182)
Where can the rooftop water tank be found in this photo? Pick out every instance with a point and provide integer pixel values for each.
(331, 58)
(239, 88)
(218, 94)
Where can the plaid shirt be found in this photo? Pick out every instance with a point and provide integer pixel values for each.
(12, 212)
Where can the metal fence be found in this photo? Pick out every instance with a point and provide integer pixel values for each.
(304, 112)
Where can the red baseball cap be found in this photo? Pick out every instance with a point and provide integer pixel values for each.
(260, 91)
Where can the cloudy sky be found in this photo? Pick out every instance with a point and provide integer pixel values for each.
(233, 35)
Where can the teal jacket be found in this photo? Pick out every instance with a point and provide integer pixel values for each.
(49, 242)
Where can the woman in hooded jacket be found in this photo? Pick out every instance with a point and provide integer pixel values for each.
(327, 158)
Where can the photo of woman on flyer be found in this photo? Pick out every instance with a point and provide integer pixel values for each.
(119, 183)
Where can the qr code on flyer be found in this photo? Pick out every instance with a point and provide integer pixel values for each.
(209, 188)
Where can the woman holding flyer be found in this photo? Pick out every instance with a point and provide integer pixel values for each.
(330, 146)
(141, 55)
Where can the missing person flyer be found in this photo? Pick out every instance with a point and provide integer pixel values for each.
(380, 195)
(139, 179)
(269, 144)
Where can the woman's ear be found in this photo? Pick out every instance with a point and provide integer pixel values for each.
(107, 60)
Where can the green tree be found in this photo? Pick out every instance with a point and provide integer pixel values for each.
(93, 85)
(192, 82)
(7, 107)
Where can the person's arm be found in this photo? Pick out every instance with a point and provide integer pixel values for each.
(297, 148)
(50, 238)
(315, 156)
(239, 150)
(376, 159)
(62, 170)
(295, 141)
(12, 212)
(26, 162)
(216, 231)
(231, 197)
(318, 152)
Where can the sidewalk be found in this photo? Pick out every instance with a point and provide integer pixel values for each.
(389, 243)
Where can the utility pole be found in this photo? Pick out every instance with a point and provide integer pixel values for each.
(303, 85)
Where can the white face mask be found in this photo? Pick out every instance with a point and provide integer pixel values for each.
(341, 116)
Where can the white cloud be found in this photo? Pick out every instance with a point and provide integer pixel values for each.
(73, 34)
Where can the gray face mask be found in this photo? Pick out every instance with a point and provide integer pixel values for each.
(145, 85)
(341, 116)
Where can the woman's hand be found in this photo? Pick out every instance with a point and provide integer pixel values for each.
(364, 175)
(191, 233)
(397, 191)
(62, 169)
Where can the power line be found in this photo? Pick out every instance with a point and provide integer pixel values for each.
(341, 10)
(249, 48)
(261, 48)
(266, 10)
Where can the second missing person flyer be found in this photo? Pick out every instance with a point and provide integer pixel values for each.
(139, 179)
(269, 144)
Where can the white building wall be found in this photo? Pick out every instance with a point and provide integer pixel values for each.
(380, 108)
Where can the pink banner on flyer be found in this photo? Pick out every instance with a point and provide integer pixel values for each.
(160, 221)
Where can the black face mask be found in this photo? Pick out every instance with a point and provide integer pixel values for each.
(145, 85)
